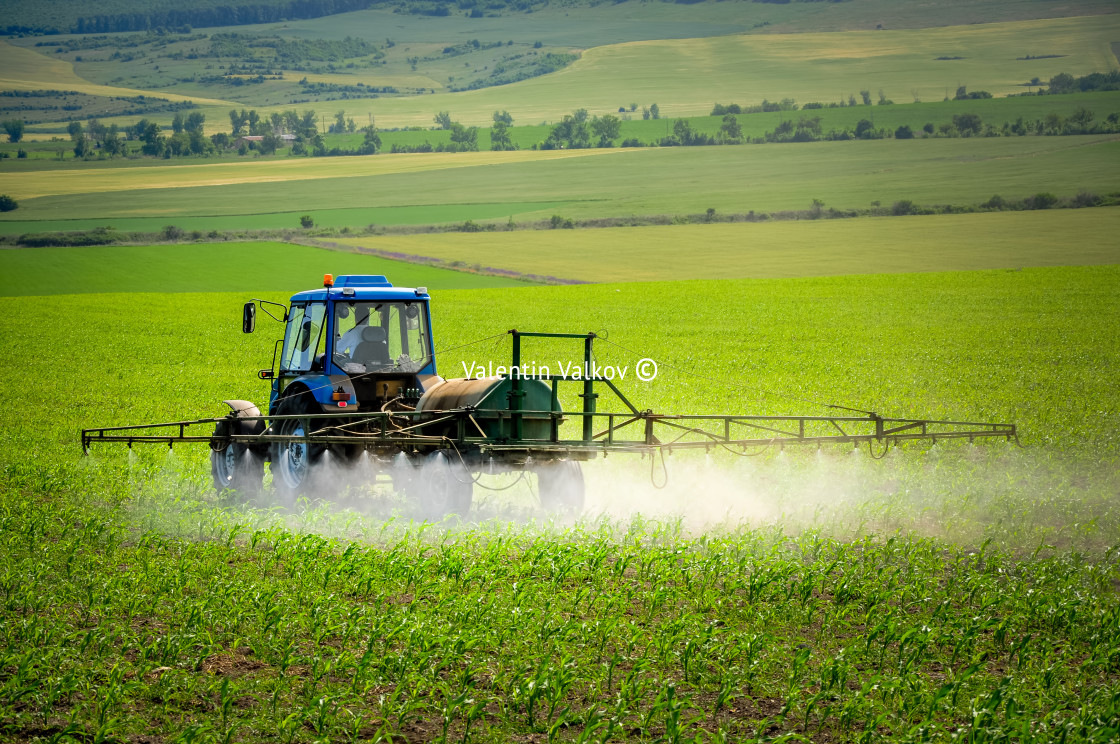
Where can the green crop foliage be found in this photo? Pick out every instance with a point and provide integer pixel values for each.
(955, 590)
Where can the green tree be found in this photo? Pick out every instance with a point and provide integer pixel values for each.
(571, 133)
(731, 130)
(14, 128)
(866, 96)
(7, 203)
(306, 221)
(113, 145)
(1063, 82)
(96, 130)
(904, 132)
(371, 143)
(269, 144)
(607, 128)
(178, 144)
(74, 128)
(499, 137)
(82, 146)
(967, 124)
(464, 138)
(177, 124)
(503, 117)
(654, 111)
(194, 122)
(864, 129)
(238, 120)
(307, 128)
(291, 122)
(339, 126)
(443, 119)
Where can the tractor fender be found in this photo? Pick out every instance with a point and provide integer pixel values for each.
(231, 424)
(246, 409)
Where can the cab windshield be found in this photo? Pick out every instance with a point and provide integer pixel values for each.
(380, 337)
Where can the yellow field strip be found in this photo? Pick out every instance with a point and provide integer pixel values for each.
(98, 180)
(26, 69)
(993, 240)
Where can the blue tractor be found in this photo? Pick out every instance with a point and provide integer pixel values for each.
(358, 346)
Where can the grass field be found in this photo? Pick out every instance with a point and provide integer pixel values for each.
(339, 218)
(898, 599)
(998, 240)
(586, 183)
(227, 267)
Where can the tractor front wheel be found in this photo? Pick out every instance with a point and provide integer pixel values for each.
(298, 467)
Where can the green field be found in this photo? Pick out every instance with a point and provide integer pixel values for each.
(585, 183)
(1002, 240)
(898, 598)
(225, 267)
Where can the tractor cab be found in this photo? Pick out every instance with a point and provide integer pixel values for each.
(354, 345)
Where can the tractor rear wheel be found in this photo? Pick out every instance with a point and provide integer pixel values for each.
(443, 486)
(298, 467)
(561, 486)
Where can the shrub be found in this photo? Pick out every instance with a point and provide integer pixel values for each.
(996, 202)
(1041, 200)
(904, 132)
(98, 236)
(172, 232)
(1086, 199)
(7, 203)
(904, 206)
(306, 221)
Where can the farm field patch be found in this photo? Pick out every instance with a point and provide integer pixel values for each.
(405, 215)
(24, 69)
(993, 240)
(193, 267)
(593, 183)
(31, 184)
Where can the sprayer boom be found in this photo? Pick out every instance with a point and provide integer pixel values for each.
(357, 377)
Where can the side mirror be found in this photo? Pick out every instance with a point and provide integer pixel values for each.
(249, 318)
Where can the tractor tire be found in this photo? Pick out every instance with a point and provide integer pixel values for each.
(234, 466)
(442, 487)
(299, 468)
(561, 487)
